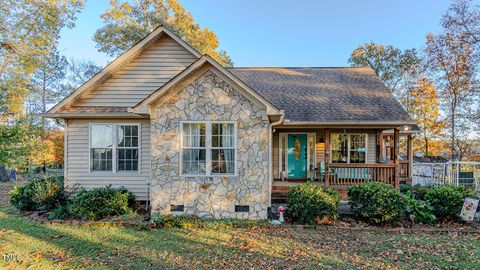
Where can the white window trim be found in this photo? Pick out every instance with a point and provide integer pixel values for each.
(280, 148)
(114, 148)
(348, 146)
(208, 147)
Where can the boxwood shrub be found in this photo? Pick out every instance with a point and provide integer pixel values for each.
(378, 203)
(310, 204)
(447, 200)
(100, 203)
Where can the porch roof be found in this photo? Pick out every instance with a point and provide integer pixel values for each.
(325, 94)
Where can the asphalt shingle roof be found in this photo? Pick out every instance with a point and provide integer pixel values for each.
(324, 94)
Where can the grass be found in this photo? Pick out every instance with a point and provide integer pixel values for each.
(41, 246)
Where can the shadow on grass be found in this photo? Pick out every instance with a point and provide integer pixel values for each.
(114, 248)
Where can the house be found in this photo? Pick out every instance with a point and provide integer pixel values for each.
(190, 136)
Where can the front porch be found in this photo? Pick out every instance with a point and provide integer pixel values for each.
(340, 157)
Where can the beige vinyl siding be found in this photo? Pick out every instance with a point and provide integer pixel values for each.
(371, 147)
(276, 155)
(145, 74)
(77, 159)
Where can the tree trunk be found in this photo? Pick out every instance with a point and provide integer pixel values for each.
(426, 147)
(452, 139)
(44, 94)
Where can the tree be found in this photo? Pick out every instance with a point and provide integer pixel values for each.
(384, 60)
(463, 17)
(449, 59)
(20, 141)
(47, 82)
(127, 23)
(425, 111)
(79, 71)
(28, 31)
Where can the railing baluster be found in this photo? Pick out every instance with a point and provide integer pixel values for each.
(354, 174)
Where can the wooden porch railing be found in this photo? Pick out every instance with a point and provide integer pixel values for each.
(353, 174)
(404, 169)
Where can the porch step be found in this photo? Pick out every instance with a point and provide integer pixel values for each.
(279, 200)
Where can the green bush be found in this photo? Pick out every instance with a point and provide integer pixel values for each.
(404, 188)
(63, 212)
(420, 191)
(50, 193)
(419, 211)
(378, 203)
(447, 200)
(100, 203)
(21, 197)
(40, 194)
(172, 221)
(309, 204)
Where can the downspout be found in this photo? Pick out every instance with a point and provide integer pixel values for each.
(270, 155)
(149, 181)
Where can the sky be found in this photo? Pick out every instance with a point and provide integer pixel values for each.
(286, 33)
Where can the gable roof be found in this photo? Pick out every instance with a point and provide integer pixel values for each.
(142, 107)
(325, 95)
(120, 61)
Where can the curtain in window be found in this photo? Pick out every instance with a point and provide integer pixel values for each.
(223, 152)
(101, 139)
(194, 152)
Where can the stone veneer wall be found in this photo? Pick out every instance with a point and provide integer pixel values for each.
(210, 98)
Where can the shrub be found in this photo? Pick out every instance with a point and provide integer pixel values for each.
(404, 188)
(309, 204)
(420, 191)
(21, 197)
(49, 193)
(39, 194)
(419, 211)
(100, 203)
(62, 212)
(378, 203)
(172, 221)
(447, 200)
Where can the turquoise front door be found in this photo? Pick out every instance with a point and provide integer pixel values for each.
(297, 156)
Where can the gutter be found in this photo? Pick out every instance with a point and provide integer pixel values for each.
(270, 155)
(347, 122)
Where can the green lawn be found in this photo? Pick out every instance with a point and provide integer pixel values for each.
(41, 246)
(66, 246)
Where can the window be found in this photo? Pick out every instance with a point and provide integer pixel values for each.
(114, 147)
(194, 152)
(339, 148)
(348, 148)
(127, 148)
(101, 147)
(208, 148)
(223, 148)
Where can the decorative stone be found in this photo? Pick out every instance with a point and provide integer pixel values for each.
(210, 98)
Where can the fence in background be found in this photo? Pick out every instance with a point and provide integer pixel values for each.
(455, 173)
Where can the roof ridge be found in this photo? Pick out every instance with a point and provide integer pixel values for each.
(299, 67)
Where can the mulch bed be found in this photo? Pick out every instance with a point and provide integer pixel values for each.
(342, 225)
